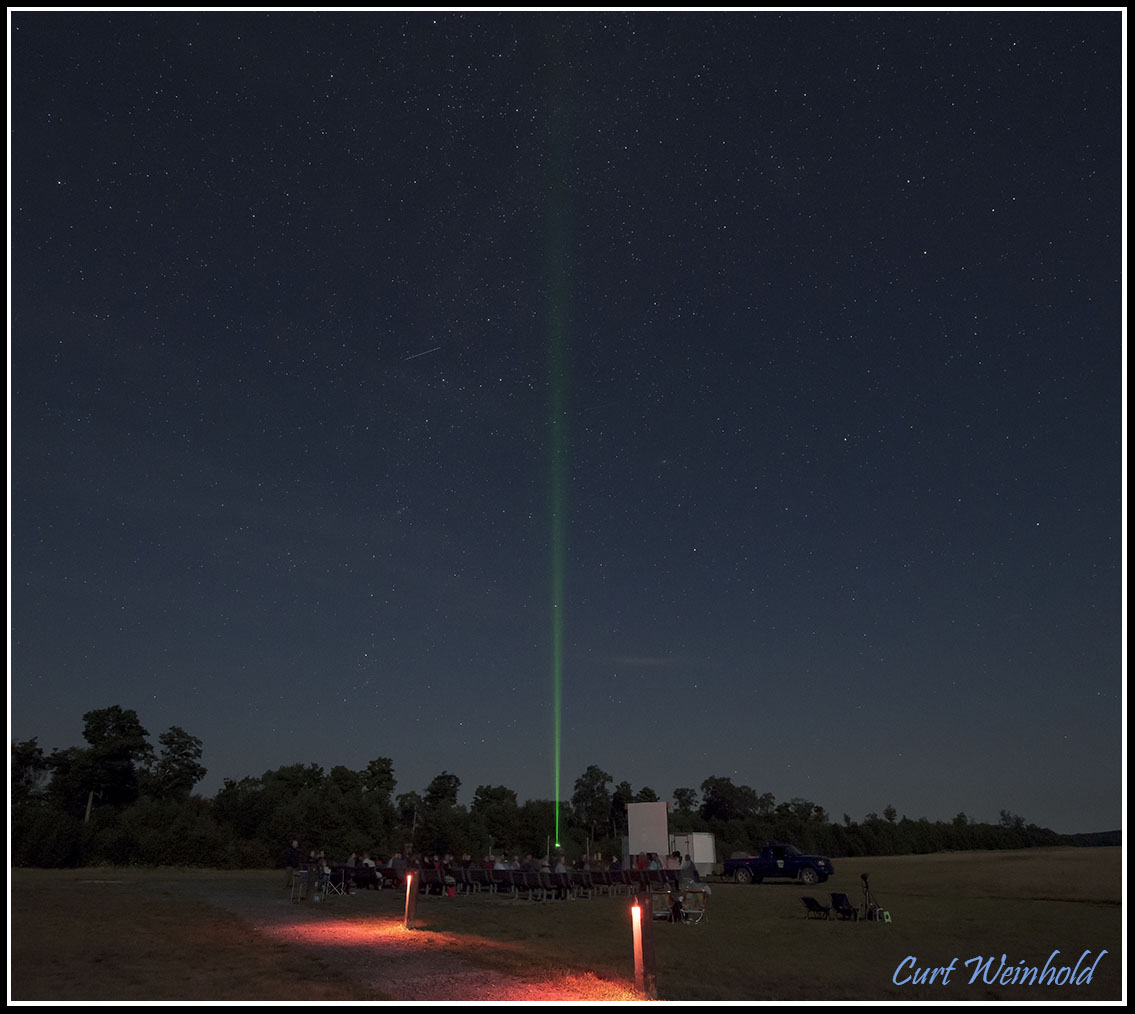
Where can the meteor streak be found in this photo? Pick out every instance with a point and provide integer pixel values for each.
(418, 355)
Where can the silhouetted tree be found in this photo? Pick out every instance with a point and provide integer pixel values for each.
(378, 778)
(591, 800)
(442, 791)
(29, 766)
(118, 752)
(178, 768)
(494, 817)
(622, 795)
(724, 801)
(685, 800)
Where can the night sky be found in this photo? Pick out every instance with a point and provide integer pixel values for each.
(804, 330)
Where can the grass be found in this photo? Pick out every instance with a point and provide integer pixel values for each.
(754, 945)
(125, 935)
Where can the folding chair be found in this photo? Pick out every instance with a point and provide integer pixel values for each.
(299, 885)
(660, 904)
(694, 904)
(335, 882)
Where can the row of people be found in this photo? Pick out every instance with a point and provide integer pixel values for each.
(366, 867)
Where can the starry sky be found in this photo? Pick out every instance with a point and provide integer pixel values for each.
(783, 351)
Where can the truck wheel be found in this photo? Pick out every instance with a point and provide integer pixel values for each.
(743, 876)
(809, 876)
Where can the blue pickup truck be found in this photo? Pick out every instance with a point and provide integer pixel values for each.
(772, 861)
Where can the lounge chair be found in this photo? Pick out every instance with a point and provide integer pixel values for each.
(844, 909)
(815, 909)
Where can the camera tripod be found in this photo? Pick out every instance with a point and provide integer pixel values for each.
(871, 909)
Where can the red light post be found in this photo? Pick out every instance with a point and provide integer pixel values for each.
(642, 930)
(411, 899)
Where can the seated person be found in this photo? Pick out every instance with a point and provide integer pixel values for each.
(677, 910)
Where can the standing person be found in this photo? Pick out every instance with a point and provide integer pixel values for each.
(398, 868)
(322, 875)
(688, 873)
(368, 875)
(560, 867)
(292, 862)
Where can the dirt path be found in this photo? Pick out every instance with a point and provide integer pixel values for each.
(381, 955)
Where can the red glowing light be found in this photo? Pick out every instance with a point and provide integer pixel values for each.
(636, 923)
(365, 937)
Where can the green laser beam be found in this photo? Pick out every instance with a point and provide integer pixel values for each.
(558, 268)
(558, 448)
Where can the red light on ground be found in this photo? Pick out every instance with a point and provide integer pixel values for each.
(428, 965)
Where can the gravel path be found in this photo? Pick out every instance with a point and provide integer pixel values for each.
(381, 956)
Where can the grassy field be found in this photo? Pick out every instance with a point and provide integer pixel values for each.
(150, 939)
(128, 935)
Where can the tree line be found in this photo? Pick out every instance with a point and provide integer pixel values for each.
(119, 801)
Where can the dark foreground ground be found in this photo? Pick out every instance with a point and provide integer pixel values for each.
(207, 935)
(126, 934)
